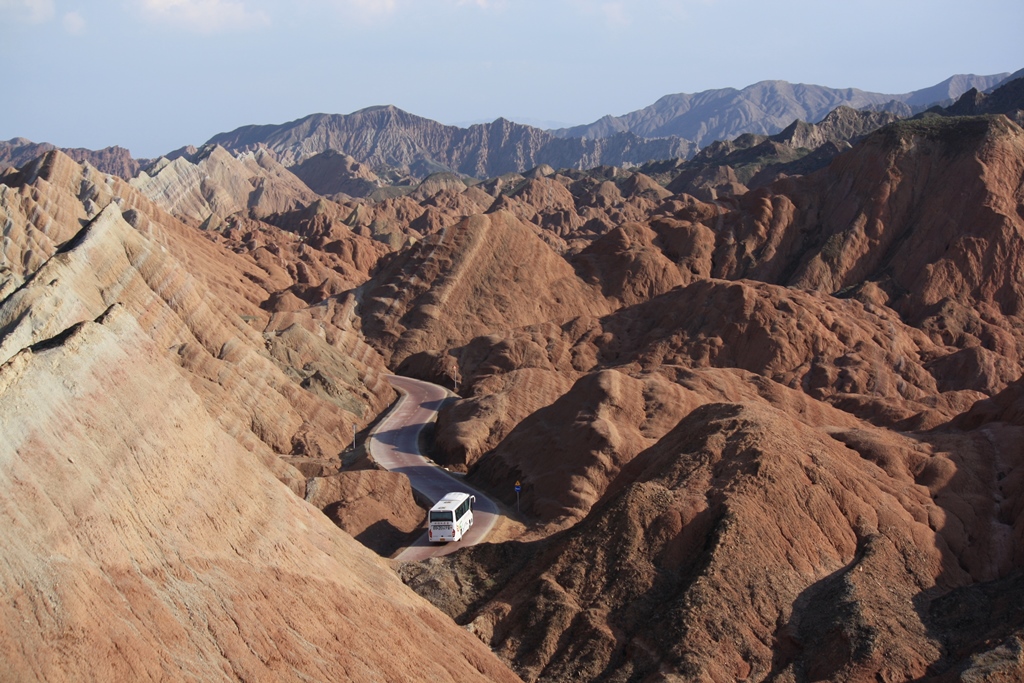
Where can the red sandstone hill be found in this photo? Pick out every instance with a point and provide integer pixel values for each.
(193, 298)
(301, 242)
(806, 464)
(493, 269)
(924, 213)
(862, 359)
(753, 542)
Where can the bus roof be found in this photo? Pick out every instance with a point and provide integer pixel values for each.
(450, 501)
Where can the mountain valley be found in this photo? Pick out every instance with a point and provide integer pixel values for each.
(761, 390)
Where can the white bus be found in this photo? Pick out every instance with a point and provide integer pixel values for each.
(450, 518)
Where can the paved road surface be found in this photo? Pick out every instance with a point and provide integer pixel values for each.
(395, 446)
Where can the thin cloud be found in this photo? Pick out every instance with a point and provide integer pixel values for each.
(32, 11)
(374, 6)
(362, 8)
(74, 23)
(484, 4)
(614, 14)
(205, 16)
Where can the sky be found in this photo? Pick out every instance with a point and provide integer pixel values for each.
(155, 75)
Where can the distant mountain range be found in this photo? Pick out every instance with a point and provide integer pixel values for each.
(675, 127)
(766, 108)
(389, 137)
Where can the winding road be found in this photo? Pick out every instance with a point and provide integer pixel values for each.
(394, 445)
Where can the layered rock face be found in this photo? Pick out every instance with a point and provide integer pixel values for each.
(301, 243)
(201, 320)
(212, 182)
(922, 216)
(152, 409)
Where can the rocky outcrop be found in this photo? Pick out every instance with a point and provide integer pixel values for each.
(301, 243)
(628, 266)
(574, 208)
(842, 124)
(111, 263)
(374, 506)
(332, 173)
(473, 427)
(922, 213)
(212, 182)
(1007, 99)
(730, 167)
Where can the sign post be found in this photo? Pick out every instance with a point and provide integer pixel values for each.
(518, 487)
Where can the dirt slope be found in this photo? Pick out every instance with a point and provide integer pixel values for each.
(493, 269)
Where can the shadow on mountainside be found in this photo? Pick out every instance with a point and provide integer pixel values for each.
(967, 622)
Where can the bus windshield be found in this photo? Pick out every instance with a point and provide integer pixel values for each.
(441, 516)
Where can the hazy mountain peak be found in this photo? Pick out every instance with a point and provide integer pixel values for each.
(765, 108)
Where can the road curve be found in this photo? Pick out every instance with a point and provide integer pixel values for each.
(394, 445)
